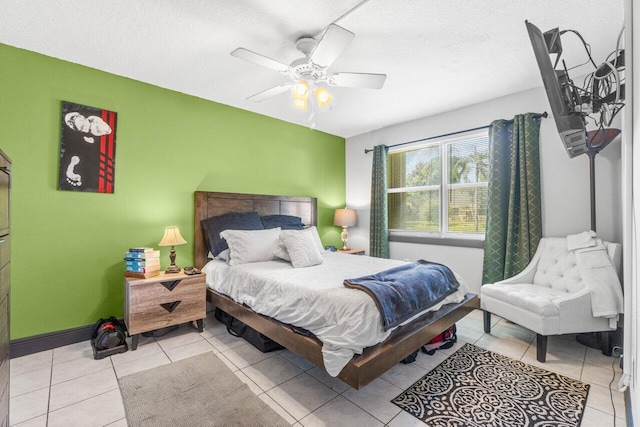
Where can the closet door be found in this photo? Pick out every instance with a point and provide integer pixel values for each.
(5, 285)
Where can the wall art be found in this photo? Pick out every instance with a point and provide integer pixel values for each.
(87, 149)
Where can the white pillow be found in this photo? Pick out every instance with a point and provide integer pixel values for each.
(224, 255)
(247, 246)
(281, 251)
(314, 232)
(302, 249)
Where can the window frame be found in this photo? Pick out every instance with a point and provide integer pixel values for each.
(444, 236)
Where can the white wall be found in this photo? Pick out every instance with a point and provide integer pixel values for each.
(565, 182)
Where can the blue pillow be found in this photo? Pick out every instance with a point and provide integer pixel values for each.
(232, 221)
(285, 222)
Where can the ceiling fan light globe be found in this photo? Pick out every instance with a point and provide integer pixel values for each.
(300, 90)
(323, 97)
(300, 104)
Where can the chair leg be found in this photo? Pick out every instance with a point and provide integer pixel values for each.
(541, 348)
(487, 322)
(605, 342)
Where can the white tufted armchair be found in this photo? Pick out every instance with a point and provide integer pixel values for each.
(549, 297)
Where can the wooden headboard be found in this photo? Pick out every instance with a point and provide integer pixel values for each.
(208, 204)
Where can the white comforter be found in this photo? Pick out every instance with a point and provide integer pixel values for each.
(345, 320)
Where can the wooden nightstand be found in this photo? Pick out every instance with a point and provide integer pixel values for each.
(352, 251)
(164, 300)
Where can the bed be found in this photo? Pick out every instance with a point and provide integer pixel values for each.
(362, 368)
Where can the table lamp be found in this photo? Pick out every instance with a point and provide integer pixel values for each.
(344, 218)
(172, 238)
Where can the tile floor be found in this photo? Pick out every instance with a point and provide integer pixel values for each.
(67, 387)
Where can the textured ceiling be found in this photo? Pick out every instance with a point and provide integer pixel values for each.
(438, 55)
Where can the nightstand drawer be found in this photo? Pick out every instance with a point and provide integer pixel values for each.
(165, 291)
(159, 315)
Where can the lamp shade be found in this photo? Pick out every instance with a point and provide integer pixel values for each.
(172, 237)
(345, 217)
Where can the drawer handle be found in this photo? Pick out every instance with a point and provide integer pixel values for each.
(170, 306)
(169, 285)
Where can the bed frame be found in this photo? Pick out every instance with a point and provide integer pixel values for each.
(373, 361)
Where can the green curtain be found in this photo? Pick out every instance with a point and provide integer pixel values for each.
(514, 212)
(379, 222)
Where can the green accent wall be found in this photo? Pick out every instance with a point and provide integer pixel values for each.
(67, 247)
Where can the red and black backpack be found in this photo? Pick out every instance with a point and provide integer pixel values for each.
(446, 339)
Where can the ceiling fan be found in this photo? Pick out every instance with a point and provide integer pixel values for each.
(308, 74)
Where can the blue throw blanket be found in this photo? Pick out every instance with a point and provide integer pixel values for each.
(402, 292)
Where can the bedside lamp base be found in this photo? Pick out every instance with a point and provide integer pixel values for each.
(344, 236)
(173, 268)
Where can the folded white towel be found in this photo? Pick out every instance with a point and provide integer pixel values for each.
(586, 239)
(600, 276)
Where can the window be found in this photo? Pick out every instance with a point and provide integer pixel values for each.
(439, 188)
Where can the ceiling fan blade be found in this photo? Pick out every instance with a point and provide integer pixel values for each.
(363, 80)
(276, 90)
(334, 41)
(256, 58)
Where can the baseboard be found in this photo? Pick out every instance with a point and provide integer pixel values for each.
(37, 343)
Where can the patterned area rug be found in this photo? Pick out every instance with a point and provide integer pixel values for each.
(475, 387)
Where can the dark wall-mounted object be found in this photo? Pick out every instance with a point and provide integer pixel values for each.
(561, 97)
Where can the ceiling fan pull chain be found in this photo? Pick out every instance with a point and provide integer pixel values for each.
(312, 116)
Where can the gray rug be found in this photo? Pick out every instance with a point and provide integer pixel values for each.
(198, 391)
(475, 387)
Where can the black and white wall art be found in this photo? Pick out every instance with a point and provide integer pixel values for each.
(87, 149)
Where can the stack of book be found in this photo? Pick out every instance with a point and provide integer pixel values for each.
(142, 263)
